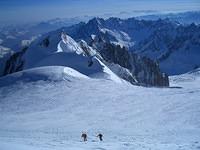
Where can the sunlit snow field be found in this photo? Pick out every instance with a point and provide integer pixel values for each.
(49, 110)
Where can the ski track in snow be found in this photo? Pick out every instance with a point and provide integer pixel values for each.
(51, 114)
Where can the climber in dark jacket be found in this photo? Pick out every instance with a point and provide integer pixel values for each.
(84, 137)
(100, 136)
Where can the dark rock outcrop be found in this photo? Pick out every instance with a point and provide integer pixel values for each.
(143, 70)
(127, 65)
(15, 62)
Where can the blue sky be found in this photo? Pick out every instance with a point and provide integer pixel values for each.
(16, 11)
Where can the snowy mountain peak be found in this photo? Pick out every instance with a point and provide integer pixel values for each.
(58, 49)
(96, 20)
(88, 51)
(95, 24)
(67, 44)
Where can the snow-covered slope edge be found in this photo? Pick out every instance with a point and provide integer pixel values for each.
(49, 73)
(186, 79)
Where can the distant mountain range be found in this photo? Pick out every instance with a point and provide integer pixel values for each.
(15, 37)
(182, 18)
(175, 47)
(126, 46)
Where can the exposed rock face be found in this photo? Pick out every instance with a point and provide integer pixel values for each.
(5, 54)
(142, 70)
(122, 72)
(127, 65)
(15, 62)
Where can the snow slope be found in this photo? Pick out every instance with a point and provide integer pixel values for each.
(47, 108)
